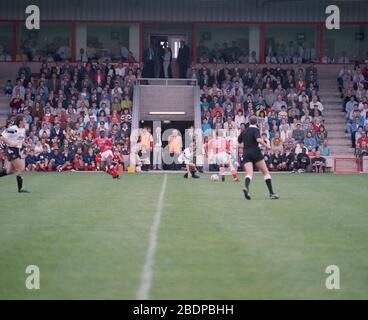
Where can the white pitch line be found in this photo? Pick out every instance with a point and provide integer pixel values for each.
(145, 286)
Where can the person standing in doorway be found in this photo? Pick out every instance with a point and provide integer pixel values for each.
(166, 61)
(183, 59)
(149, 58)
(157, 150)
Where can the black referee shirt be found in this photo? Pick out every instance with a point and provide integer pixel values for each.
(249, 137)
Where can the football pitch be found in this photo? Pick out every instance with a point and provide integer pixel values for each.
(97, 238)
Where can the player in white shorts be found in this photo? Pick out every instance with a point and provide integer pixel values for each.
(186, 158)
(14, 138)
(219, 152)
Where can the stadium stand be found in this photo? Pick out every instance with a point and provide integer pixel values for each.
(66, 106)
(286, 100)
(353, 85)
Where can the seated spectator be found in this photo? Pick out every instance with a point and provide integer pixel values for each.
(319, 163)
(277, 161)
(8, 89)
(310, 142)
(206, 127)
(239, 118)
(302, 161)
(324, 148)
(361, 138)
(362, 150)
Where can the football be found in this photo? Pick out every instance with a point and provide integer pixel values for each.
(215, 177)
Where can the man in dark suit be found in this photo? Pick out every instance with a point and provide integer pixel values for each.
(149, 58)
(183, 59)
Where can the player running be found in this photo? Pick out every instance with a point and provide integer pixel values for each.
(250, 137)
(104, 146)
(14, 138)
(219, 152)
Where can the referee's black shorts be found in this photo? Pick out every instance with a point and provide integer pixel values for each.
(253, 155)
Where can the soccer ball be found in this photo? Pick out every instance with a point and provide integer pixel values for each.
(215, 177)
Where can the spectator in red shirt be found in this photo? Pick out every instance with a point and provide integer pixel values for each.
(217, 108)
(361, 139)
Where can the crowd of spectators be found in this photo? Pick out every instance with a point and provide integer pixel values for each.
(51, 52)
(353, 85)
(225, 53)
(286, 102)
(274, 53)
(66, 106)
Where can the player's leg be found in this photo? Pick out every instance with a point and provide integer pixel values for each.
(11, 168)
(267, 177)
(110, 168)
(221, 161)
(233, 172)
(187, 174)
(193, 170)
(248, 168)
(19, 167)
(222, 172)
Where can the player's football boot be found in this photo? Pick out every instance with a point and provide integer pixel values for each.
(23, 191)
(274, 196)
(223, 178)
(246, 193)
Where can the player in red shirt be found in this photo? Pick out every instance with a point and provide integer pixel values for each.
(219, 153)
(104, 146)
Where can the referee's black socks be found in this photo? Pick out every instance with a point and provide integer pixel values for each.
(268, 181)
(247, 182)
(19, 182)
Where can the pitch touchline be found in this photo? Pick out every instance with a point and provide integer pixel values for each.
(146, 281)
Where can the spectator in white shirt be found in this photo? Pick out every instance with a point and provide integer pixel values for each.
(317, 103)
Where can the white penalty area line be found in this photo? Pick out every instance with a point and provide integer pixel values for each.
(146, 281)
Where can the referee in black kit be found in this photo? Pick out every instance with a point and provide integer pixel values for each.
(251, 137)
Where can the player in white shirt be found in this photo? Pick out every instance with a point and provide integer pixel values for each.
(186, 158)
(14, 138)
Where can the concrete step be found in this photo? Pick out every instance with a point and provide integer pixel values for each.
(339, 143)
(332, 129)
(332, 112)
(337, 131)
(332, 106)
(342, 151)
(336, 134)
(329, 93)
(3, 120)
(335, 122)
(331, 100)
(328, 83)
(4, 100)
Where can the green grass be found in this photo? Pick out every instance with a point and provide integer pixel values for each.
(89, 236)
